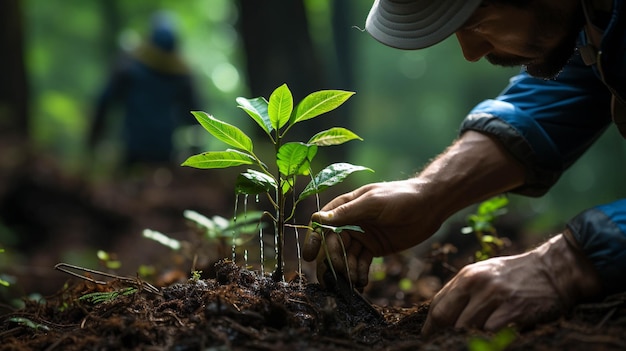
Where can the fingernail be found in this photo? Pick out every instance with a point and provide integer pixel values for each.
(326, 215)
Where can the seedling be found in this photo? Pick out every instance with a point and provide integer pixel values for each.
(481, 224)
(215, 233)
(23, 321)
(498, 342)
(108, 260)
(107, 296)
(277, 180)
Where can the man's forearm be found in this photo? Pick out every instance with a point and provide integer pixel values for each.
(475, 168)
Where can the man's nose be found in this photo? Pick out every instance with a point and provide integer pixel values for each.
(473, 45)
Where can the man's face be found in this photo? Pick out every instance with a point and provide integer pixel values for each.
(540, 36)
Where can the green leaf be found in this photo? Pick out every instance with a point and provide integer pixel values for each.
(329, 176)
(318, 103)
(162, 239)
(219, 159)
(493, 206)
(354, 228)
(225, 132)
(280, 106)
(294, 158)
(28, 323)
(254, 182)
(257, 109)
(333, 136)
(107, 296)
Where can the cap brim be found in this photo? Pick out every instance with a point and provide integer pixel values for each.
(417, 24)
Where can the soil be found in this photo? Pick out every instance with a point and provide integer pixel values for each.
(241, 310)
(233, 308)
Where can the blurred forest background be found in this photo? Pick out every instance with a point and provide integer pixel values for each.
(61, 200)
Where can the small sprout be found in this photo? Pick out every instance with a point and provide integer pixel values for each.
(405, 284)
(218, 227)
(146, 271)
(108, 260)
(28, 323)
(498, 342)
(196, 275)
(162, 239)
(100, 297)
(481, 224)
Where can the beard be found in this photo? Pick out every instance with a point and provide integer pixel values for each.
(555, 58)
(549, 67)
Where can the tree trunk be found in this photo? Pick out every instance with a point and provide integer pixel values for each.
(278, 47)
(14, 88)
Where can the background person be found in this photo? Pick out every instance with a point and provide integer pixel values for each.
(154, 88)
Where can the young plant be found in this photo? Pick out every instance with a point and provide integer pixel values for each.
(277, 180)
(107, 296)
(498, 342)
(481, 224)
(216, 233)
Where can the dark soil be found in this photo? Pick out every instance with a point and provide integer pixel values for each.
(230, 309)
(239, 310)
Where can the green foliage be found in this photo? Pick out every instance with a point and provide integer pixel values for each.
(107, 296)
(162, 239)
(481, 224)
(195, 275)
(292, 159)
(108, 260)
(218, 227)
(28, 323)
(500, 341)
(339, 229)
(2, 281)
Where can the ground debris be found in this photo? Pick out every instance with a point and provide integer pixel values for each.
(240, 310)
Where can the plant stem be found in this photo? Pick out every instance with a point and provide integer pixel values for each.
(278, 274)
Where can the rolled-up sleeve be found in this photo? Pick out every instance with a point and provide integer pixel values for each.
(545, 124)
(601, 234)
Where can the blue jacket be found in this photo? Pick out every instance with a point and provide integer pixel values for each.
(548, 124)
(154, 88)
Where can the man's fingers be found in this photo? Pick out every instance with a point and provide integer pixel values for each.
(363, 268)
(336, 248)
(313, 239)
(353, 253)
(444, 310)
(477, 312)
(311, 245)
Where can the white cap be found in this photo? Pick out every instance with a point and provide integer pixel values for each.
(417, 24)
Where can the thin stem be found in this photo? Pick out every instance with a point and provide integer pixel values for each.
(278, 274)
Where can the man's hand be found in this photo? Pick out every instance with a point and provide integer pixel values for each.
(398, 215)
(521, 290)
(394, 216)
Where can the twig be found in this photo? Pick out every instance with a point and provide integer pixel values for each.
(606, 317)
(69, 269)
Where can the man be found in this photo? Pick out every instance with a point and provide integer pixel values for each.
(574, 80)
(153, 86)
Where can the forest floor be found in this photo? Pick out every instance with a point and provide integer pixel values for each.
(240, 310)
(232, 308)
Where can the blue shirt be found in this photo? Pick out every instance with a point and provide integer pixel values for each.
(548, 124)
